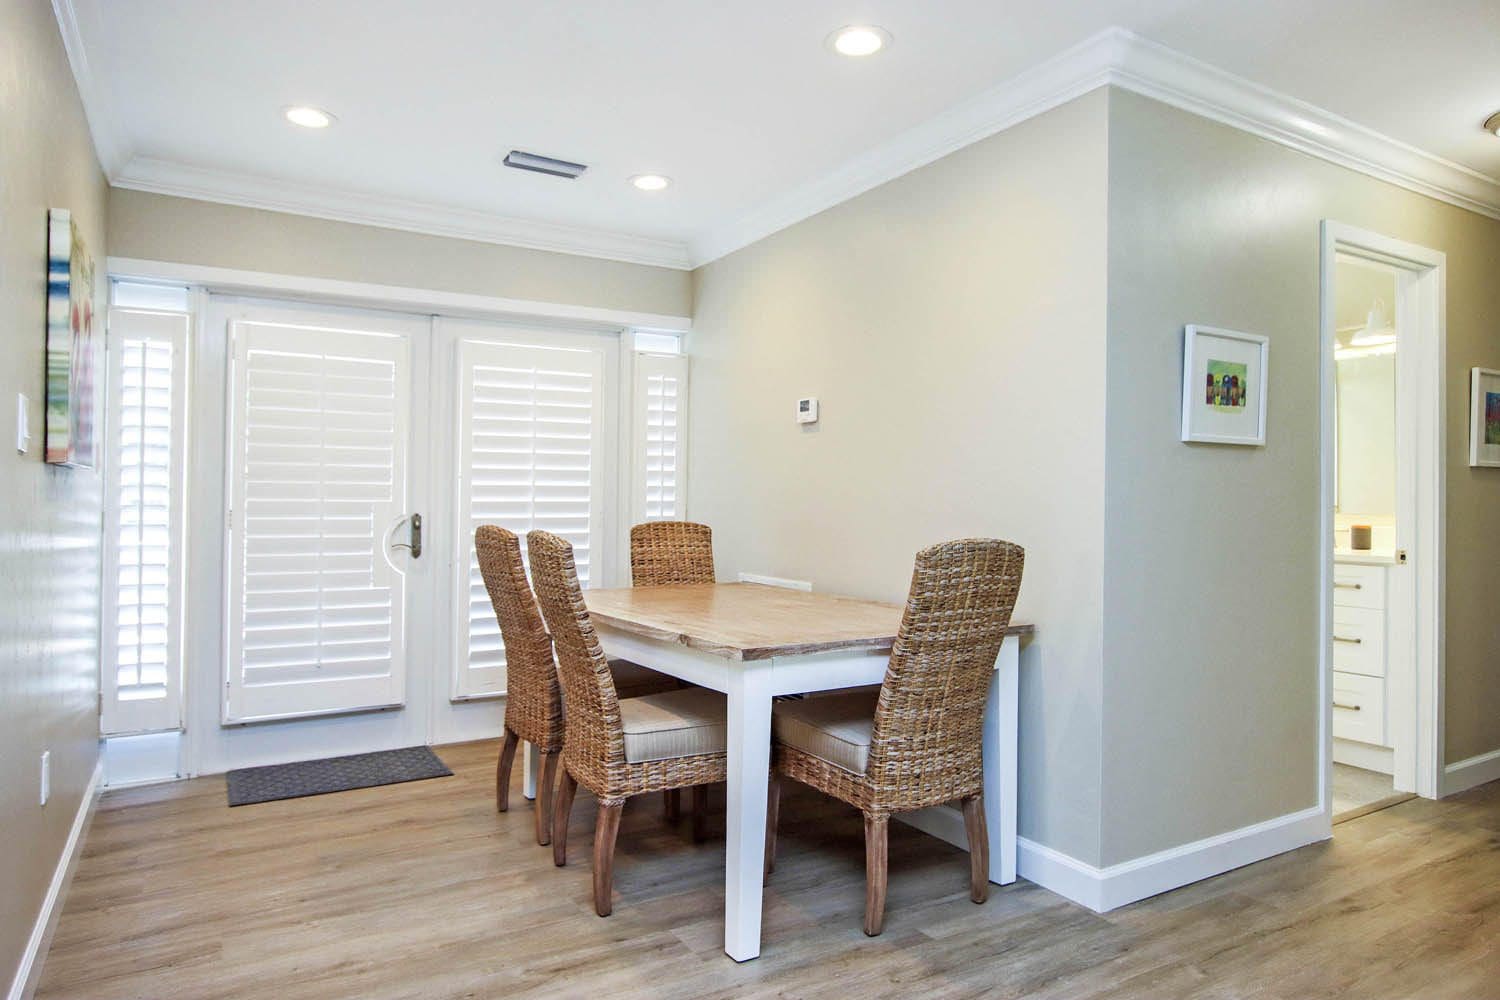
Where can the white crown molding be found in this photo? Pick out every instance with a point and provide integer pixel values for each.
(250, 191)
(109, 145)
(1114, 57)
(1122, 59)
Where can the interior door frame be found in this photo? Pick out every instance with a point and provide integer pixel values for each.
(1421, 311)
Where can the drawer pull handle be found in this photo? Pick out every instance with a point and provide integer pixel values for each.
(1348, 586)
(1347, 708)
(1345, 638)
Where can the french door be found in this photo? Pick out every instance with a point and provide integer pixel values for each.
(345, 431)
(320, 433)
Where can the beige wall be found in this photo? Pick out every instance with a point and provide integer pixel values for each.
(49, 531)
(1210, 673)
(951, 322)
(182, 230)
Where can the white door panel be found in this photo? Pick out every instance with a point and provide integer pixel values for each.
(530, 454)
(318, 464)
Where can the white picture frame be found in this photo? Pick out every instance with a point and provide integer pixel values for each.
(1483, 452)
(1224, 376)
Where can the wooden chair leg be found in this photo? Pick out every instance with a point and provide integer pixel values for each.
(566, 789)
(700, 813)
(546, 782)
(502, 770)
(979, 848)
(875, 871)
(773, 816)
(606, 829)
(671, 804)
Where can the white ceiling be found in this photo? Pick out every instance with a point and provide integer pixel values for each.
(737, 102)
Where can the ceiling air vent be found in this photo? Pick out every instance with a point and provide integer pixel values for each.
(544, 164)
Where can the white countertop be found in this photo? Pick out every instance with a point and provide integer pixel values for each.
(1365, 557)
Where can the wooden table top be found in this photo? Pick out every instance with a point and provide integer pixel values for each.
(749, 621)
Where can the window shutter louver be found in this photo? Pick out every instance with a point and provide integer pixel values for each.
(661, 400)
(318, 445)
(530, 444)
(141, 640)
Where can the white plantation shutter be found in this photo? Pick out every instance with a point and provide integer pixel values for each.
(141, 635)
(530, 445)
(318, 445)
(659, 433)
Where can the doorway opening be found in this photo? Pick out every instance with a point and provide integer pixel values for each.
(1382, 398)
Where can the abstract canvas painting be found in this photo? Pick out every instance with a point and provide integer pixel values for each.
(1484, 418)
(71, 352)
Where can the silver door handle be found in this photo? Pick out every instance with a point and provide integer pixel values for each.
(415, 545)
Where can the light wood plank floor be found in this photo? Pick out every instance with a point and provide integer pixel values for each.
(422, 890)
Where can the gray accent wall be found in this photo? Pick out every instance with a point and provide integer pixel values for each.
(49, 516)
(1211, 567)
(187, 231)
(951, 322)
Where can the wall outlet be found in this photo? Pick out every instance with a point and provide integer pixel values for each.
(46, 776)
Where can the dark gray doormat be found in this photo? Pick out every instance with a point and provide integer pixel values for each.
(248, 785)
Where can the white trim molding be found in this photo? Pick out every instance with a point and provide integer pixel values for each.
(336, 291)
(1104, 889)
(1119, 58)
(1114, 56)
(1470, 772)
(29, 973)
(109, 146)
(143, 173)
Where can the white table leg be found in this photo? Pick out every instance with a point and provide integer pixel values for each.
(1001, 719)
(749, 762)
(530, 760)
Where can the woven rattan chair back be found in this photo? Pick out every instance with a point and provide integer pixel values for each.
(926, 745)
(594, 743)
(533, 702)
(671, 552)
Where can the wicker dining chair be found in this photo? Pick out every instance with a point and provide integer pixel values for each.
(615, 747)
(533, 700)
(916, 741)
(663, 553)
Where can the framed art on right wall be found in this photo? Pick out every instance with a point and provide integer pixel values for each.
(1484, 418)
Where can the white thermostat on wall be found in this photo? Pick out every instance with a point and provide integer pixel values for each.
(807, 411)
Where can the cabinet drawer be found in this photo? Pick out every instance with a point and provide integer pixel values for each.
(1358, 708)
(1358, 586)
(1359, 641)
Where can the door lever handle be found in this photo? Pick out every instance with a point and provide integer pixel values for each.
(415, 545)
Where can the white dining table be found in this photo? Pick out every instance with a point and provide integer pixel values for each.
(755, 642)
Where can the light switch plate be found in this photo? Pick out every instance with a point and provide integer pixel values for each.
(23, 423)
(46, 776)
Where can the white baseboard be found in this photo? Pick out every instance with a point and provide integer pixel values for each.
(30, 971)
(1471, 772)
(1103, 889)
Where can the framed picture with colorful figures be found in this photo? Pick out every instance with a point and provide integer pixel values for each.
(1484, 418)
(1224, 386)
(72, 352)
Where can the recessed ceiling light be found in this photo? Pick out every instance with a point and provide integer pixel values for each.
(308, 117)
(859, 40)
(650, 182)
(1492, 123)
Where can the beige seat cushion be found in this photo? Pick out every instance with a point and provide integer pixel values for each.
(835, 727)
(681, 723)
